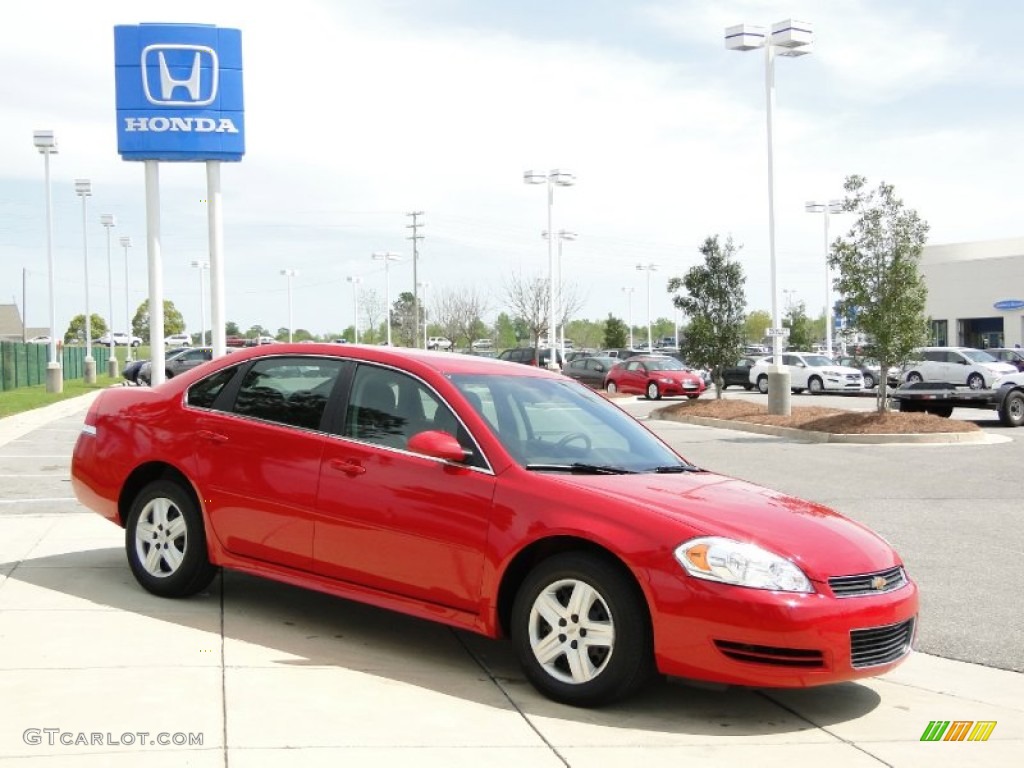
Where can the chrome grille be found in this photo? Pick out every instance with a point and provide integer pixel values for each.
(868, 583)
(880, 645)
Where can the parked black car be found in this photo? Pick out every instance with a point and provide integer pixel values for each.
(530, 356)
(738, 374)
(590, 370)
(131, 371)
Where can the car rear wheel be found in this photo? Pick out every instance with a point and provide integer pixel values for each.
(914, 378)
(976, 381)
(1011, 413)
(581, 631)
(815, 386)
(610, 388)
(762, 385)
(166, 543)
(652, 391)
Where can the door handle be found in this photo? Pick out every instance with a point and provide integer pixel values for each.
(213, 437)
(350, 468)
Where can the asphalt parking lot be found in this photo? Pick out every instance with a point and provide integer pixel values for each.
(266, 674)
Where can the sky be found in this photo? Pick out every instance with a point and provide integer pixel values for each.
(361, 111)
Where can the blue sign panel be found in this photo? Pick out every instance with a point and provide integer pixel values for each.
(179, 92)
(1009, 304)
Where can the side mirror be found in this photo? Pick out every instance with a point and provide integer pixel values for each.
(440, 445)
(598, 367)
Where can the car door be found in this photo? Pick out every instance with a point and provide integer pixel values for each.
(798, 373)
(596, 370)
(258, 449)
(634, 377)
(394, 520)
(189, 360)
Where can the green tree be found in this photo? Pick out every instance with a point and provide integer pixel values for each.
(715, 303)
(231, 328)
(75, 333)
(801, 327)
(173, 321)
(877, 273)
(616, 334)
(504, 331)
(756, 325)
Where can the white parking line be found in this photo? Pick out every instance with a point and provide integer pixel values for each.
(37, 501)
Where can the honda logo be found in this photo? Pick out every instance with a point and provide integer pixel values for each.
(176, 75)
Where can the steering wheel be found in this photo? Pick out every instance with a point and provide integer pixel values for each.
(573, 437)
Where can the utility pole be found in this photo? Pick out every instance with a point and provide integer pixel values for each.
(416, 237)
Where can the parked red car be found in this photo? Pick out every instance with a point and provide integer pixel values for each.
(654, 376)
(498, 498)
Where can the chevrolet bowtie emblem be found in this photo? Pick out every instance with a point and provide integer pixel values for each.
(879, 582)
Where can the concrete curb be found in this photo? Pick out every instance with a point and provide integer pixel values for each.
(809, 436)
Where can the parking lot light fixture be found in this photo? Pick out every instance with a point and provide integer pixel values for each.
(786, 38)
(289, 274)
(108, 221)
(832, 206)
(387, 257)
(355, 280)
(553, 178)
(563, 234)
(648, 268)
(126, 243)
(83, 188)
(46, 143)
(202, 266)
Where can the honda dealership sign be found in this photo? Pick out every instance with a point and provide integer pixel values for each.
(179, 92)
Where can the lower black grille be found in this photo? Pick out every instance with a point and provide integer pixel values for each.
(764, 654)
(880, 645)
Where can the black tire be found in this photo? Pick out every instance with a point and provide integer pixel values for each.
(614, 605)
(762, 385)
(748, 386)
(815, 385)
(976, 381)
(909, 406)
(1011, 411)
(653, 393)
(869, 381)
(944, 411)
(610, 387)
(914, 378)
(170, 517)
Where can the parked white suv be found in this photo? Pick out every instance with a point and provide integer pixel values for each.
(962, 366)
(178, 340)
(810, 371)
(438, 342)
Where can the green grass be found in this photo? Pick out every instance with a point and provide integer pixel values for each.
(26, 398)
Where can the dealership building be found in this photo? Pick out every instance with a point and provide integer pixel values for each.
(975, 293)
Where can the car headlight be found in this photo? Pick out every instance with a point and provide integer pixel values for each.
(742, 564)
(666, 380)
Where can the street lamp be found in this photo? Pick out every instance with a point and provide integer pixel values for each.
(629, 312)
(832, 206)
(289, 274)
(425, 287)
(126, 243)
(108, 221)
(387, 257)
(355, 304)
(46, 143)
(562, 179)
(202, 266)
(563, 234)
(648, 268)
(83, 188)
(791, 38)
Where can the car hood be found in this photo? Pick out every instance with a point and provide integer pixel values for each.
(842, 370)
(821, 541)
(999, 367)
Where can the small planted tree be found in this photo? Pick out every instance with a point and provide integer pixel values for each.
(877, 274)
(716, 305)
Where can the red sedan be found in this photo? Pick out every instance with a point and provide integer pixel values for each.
(655, 376)
(494, 497)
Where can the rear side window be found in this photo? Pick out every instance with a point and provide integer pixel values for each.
(291, 391)
(203, 393)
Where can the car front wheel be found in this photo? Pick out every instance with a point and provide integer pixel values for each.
(976, 381)
(581, 631)
(762, 385)
(869, 381)
(914, 378)
(652, 391)
(166, 543)
(610, 388)
(815, 386)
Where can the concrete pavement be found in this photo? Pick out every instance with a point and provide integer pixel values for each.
(265, 674)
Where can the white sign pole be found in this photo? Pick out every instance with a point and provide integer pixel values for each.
(215, 219)
(156, 274)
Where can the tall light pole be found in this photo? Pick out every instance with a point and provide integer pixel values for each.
(415, 237)
(562, 234)
(387, 257)
(832, 206)
(46, 143)
(202, 266)
(355, 280)
(126, 243)
(83, 188)
(289, 274)
(648, 268)
(554, 178)
(108, 221)
(426, 287)
(629, 311)
(791, 38)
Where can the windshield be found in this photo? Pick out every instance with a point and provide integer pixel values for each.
(818, 361)
(560, 424)
(668, 364)
(978, 356)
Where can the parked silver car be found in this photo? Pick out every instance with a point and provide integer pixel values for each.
(961, 366)
(177, 361)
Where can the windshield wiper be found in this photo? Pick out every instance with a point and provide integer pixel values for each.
(676, 468)
(590, 469)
